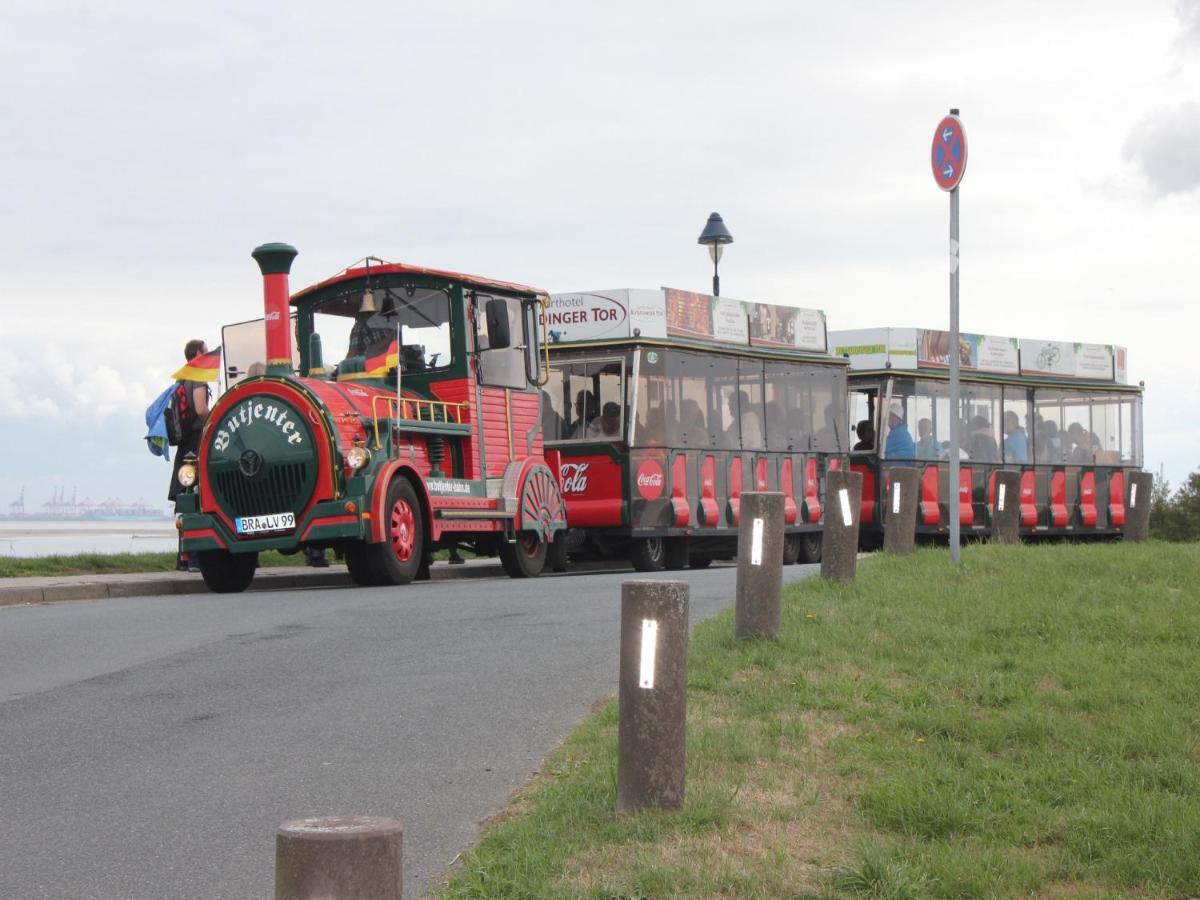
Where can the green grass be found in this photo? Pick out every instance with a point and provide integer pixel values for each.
(1028, 725)
(113, 563)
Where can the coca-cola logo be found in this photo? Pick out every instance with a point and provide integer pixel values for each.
(650, 480)
(573, 478)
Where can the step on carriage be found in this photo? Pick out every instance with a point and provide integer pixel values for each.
(425, 434)
(663, 406)
(1061, 414)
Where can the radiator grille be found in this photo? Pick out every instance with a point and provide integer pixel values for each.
(278, 488)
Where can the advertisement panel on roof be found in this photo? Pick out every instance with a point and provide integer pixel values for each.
(866, 348)
(1094, 361)
(605, 315)
(729, 320)
(688, 314)
(998, 354)
(786, 326)
(902, 348)
(1047, 358)
(1120, 364)
(933, 349)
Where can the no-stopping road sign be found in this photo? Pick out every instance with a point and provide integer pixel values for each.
(948, 156)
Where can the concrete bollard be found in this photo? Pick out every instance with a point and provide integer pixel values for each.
(652, 700)
(339, 856)
(900, 516)
(843, 498)
(1137, 510)
(1006, 508)
(759, 566)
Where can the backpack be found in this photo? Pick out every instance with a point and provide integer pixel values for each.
(179, 416)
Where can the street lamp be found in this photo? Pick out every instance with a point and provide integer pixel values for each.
(716, 236)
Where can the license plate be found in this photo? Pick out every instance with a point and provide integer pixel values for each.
(274, 522)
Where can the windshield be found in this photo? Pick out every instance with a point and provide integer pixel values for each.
(418, 316)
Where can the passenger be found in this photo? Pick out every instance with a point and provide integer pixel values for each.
(1016, 445)
(899, 444)
(776, 425)
(830, 436)
(1079, 446)
(866, 435)
(980, 443)
(926, 446)
(367, 333)
(608, 426)
(691, 422)
(751, 427)
(585, 413)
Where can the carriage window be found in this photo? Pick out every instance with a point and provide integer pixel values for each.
(930, 419)
(828, 407)
(584, 400)
(750, 404)
(980, 423)
(862, 420)
(722, 403)
(686, 400)
(788, 406)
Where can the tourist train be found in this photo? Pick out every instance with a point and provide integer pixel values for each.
(622, 424)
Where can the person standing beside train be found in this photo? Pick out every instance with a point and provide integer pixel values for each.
(191, 404)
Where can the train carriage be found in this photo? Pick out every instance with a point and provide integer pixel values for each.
(426, 433)
(1061, 414)
(663, 406)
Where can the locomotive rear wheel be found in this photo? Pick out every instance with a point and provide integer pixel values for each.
(398, 557)
(225, 572)
(791, 549)
(648, 554)
(810, 546)
(675, 553)
(525, 557)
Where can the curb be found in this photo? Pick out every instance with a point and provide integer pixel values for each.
(90, 587)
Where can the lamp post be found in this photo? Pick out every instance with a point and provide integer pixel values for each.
(715, 235)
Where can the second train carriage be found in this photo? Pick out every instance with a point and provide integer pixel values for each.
(663, 406)
(1062, 414)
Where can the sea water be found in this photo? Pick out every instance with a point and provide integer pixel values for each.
(28, 538)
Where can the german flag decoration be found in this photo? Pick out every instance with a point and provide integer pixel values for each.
(383, 359)
(205, 367)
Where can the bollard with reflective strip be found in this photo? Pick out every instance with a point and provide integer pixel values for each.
(1006, 508)
(900, 516)
(339, 856)
(759, 566)
(1137, 517)
(652, 700)
(839, 552)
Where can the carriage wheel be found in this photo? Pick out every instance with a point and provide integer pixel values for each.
(648, 554)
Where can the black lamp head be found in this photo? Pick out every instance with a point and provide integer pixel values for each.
(715, 231)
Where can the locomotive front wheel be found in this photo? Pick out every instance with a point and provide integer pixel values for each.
(359, 566)
(791, 549)
(525, 557)
(810, 546)
(225, 572)
(648, 554)
(398, 558)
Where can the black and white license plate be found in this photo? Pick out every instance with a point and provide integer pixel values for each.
(273, 522)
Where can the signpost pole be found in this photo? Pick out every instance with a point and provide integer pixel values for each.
(948, 157)
(955, 437)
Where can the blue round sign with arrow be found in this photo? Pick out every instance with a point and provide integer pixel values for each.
(948, 156)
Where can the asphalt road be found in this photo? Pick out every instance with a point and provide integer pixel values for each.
(150, 746)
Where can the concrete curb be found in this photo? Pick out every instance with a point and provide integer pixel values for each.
(27, 591)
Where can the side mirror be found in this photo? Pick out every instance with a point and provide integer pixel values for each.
(497, 324)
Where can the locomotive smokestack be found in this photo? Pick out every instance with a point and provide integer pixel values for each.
(275, 261)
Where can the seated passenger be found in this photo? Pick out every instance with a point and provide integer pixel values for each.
(691, 423)
(1016, 445)
(745, 421)
(980, 442)
(866, 435)
(900, 444)
(608, 426)
(585, 413)
(552, 422)
(926, 446)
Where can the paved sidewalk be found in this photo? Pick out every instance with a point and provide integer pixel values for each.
(54, 589)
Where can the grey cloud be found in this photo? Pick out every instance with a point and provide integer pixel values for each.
(1188, 12)
(1166, 148)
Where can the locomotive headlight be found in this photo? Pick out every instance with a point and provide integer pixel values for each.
(187, 474)
(357, 457)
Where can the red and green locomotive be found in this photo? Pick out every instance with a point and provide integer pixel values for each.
(427, 432)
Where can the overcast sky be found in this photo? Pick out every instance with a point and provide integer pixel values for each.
(149, 147)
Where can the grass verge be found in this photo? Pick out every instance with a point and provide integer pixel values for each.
(113, 563)
(1028, 725)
